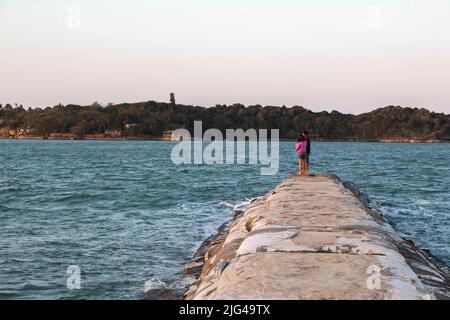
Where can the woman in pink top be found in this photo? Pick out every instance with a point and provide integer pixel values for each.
(300, 147)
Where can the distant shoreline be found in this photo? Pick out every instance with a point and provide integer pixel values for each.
(151, 120)
(165, 139)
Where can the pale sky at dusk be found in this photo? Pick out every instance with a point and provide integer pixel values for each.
(352, 56)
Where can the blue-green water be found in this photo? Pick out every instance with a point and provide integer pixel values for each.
(127, 216)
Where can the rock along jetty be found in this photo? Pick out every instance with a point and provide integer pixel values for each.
(313, 237)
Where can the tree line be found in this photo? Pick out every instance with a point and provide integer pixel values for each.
(154, 118)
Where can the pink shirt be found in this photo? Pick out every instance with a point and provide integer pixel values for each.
(300, 147)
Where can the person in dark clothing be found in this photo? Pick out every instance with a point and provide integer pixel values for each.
(308, 150)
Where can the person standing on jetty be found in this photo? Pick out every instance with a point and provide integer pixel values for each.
(301, 148)
(308, 149)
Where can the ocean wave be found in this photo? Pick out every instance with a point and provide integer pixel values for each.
(423, 202)
(155, 288)
(210, 228)
(37, 285)
(240, 205)
(154, 283)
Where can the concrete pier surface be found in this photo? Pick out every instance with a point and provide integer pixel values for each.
(314, 237)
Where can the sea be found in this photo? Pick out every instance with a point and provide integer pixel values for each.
(119, 219)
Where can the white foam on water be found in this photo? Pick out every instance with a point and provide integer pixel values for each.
(423, 202)
(210, 228)
(226, 204)
(154, 283)
(240, 205)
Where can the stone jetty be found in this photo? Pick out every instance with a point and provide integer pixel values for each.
(313, 237)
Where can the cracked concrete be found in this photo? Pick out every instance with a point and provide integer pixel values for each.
(315, 238)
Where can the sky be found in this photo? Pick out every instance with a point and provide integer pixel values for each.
(352, 55)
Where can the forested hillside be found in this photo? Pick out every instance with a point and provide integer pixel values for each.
(153, 118)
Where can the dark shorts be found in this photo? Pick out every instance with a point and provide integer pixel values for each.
(302, 156)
